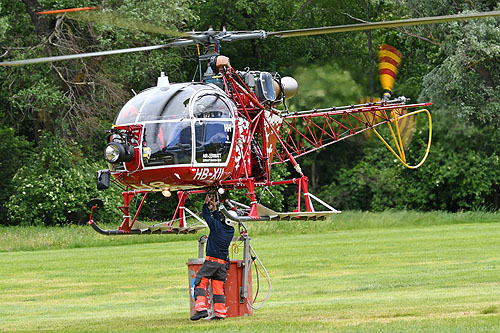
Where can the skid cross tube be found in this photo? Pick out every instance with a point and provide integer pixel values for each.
(161, 228)
(140, 231)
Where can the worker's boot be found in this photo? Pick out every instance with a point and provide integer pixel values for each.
(217, 318)
(199, 314)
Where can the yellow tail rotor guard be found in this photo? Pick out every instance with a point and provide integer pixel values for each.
(399, 143)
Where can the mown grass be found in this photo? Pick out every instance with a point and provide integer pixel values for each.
(364, 276)
(73, 236)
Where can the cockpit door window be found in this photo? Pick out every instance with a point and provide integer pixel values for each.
(213, 127)
(213, 141)
(169, 143)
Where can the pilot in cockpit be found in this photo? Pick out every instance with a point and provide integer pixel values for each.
(204, 111)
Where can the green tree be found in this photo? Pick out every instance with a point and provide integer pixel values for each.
(466, 77)
(458, 62)
(468, 80)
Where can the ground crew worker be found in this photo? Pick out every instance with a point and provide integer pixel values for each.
(214, 267)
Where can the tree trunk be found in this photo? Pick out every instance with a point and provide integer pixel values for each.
(41, 22)
(485, 74)
(43, 28)
(314, 177)
(370, 49)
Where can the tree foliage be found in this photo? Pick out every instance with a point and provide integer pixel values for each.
(454, 65)
(468, 80)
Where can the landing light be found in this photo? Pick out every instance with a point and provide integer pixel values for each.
(166, 193)
(118, 152)
(112, 153)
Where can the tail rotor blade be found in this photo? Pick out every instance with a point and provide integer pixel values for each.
(388, 63)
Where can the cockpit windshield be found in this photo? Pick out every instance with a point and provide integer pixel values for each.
(211, 105)
(130, 111)
(165, 105)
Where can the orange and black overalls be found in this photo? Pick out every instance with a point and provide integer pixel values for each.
(214, 267)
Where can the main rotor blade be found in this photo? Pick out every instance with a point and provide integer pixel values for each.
(101, 17)
(206, 37)
(380, 25)
(80, 55)
(67, 10)
(177, 43)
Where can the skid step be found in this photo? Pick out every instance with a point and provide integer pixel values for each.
(267, 214)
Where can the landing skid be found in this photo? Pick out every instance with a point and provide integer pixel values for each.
(140, 228)
(148, 230)
(235, 211)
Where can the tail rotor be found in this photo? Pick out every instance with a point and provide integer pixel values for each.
(404, 123)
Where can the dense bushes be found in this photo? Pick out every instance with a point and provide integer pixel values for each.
(55, 186)
(15, 151)
(448, 181)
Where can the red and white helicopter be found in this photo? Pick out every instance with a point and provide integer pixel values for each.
(226, 131)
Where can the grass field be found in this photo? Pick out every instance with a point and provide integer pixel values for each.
(393, 271)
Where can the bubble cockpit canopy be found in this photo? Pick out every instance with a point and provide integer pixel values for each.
(185, 124)
(156, 104)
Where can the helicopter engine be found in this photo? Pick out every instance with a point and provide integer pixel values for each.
(269, 87)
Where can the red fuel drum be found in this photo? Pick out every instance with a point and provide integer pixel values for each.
(231, 289)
